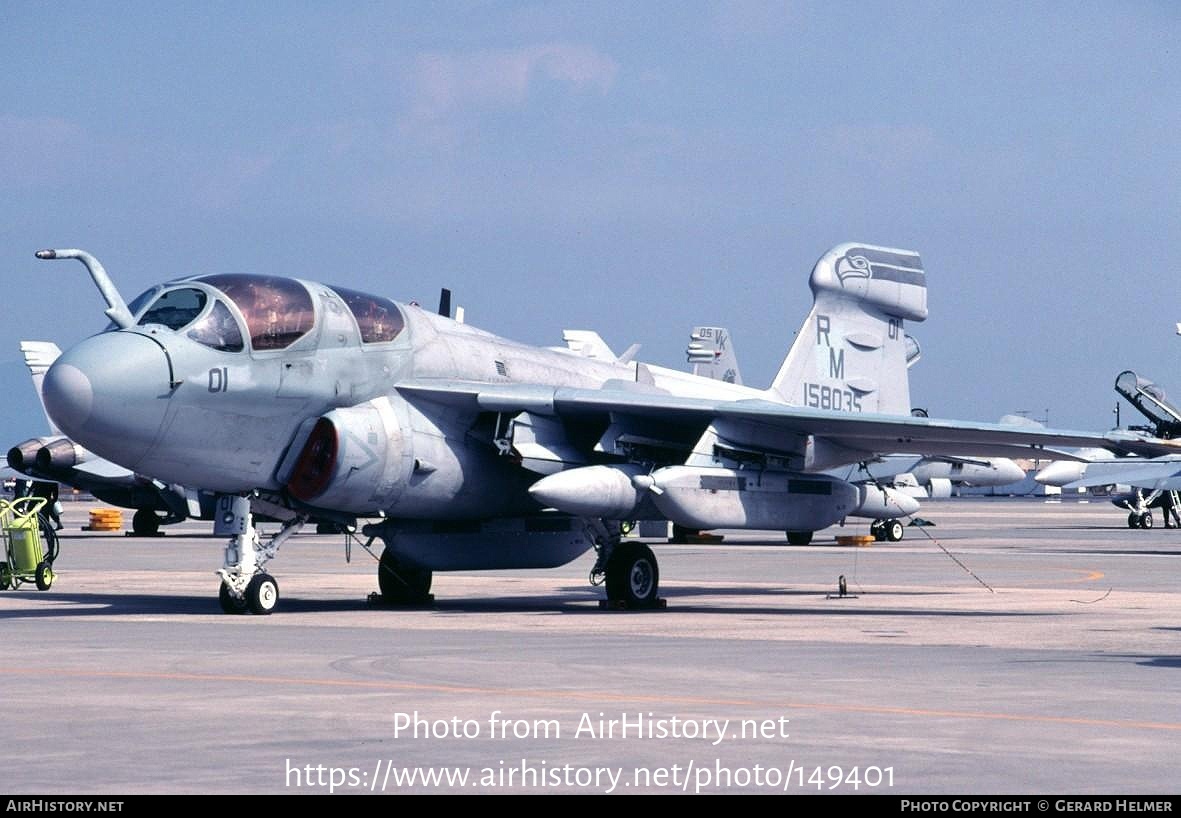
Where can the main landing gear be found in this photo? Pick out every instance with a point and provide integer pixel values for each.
(886, 530)
(401, 583)
(145, 523)
(1140, 519)
(245, 586)
(628, 569)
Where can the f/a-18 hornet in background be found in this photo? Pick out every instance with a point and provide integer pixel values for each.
(1136, 484)
(462, 450)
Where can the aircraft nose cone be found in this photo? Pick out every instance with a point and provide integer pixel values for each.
(1060, 473)
(109, 393)
(68, 395)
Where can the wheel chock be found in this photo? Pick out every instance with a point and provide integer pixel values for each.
(659, 604)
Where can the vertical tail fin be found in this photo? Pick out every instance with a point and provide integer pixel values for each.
(851, 353)
(711, 351)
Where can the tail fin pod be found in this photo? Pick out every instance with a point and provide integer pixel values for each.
(851, 353)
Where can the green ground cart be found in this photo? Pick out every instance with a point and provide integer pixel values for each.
(30, 545)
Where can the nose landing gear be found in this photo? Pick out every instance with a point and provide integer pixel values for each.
(245, 586)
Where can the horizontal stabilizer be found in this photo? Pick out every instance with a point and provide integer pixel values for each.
(100, 467)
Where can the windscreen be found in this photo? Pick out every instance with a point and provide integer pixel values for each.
(175, 308)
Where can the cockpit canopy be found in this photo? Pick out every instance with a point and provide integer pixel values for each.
(277, 311)
(378, 319)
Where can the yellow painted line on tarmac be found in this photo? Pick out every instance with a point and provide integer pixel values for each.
(1087, 575)
(595, 696)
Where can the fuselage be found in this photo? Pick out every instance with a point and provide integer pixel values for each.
(221, 379)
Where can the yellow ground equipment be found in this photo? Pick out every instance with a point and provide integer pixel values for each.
(855, 539)
(30, 545)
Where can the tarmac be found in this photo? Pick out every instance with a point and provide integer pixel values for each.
(1016, 646)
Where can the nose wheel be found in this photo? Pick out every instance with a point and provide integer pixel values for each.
(230, 603)
(262, 594)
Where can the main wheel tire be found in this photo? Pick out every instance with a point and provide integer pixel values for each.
(893, 531)
(145, 523)
(262, 594)
(402, 584)
(875, 531)
(799, 537)
(229, 603)
(1133, 520)
(44, 576)
(1146, 520)
(633, 576)
(5, 578)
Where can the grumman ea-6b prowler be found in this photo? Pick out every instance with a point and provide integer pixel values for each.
(461, 450)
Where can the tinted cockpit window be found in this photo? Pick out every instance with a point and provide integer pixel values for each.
(218, 329)
(378, 318)
(175, 308)
(278, 311)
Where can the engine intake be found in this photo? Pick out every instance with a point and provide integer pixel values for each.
(353, 459)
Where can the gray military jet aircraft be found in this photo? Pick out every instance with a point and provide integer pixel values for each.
(465, 450)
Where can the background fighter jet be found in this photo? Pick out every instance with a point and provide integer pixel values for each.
(469, 451)
(711, 351)
(1137, 484)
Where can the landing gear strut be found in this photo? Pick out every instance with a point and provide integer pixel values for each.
(245, 586)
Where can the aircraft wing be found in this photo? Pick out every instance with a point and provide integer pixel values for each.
(765, 425)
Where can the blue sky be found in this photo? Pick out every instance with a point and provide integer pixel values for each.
(630, 168)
